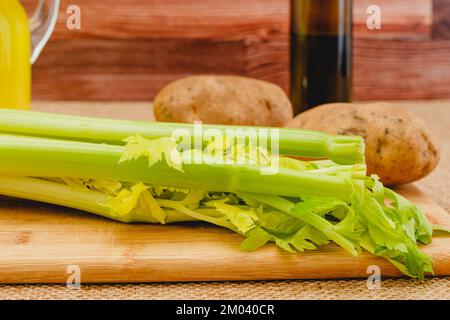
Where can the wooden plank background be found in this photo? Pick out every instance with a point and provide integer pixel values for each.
(128, 50)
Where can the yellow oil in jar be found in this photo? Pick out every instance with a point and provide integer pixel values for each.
(15, 49)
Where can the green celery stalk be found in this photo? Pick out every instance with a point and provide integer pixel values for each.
(292, 142)
(86, 200)
(40, 157)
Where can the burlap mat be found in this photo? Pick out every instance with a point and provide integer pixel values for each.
(437, 185)
(435, 289)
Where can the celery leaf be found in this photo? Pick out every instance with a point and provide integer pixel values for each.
(154, 150)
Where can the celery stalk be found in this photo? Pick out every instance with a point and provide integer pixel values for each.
(302, 143)
(39, 157)
(86, 200)
(152, 181)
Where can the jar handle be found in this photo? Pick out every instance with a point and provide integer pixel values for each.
(42, 25)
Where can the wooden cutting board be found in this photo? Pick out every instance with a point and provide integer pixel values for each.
(41, 243)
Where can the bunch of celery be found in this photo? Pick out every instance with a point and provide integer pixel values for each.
(136, 172)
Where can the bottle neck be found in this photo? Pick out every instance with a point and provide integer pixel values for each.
(321, 16)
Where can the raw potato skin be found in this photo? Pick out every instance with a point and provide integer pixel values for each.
(399, 148)
(223, 100)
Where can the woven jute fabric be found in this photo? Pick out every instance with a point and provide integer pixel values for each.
(436, 114)
(435, 289)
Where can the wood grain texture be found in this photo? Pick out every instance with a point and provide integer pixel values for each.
(38, 242)
(128, 50)
(231, 19)
(400, 19)
(172, 19)
(405, 70)
(132, 70)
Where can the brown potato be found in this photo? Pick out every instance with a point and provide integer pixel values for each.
(223, 100)
(399, 148)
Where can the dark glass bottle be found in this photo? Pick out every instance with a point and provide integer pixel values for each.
(321, 52)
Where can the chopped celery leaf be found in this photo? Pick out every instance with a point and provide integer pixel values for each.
(154, 150)
(127, 200)
(256, 238)
(243, 219)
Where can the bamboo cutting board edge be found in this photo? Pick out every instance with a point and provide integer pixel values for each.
(38, 243)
